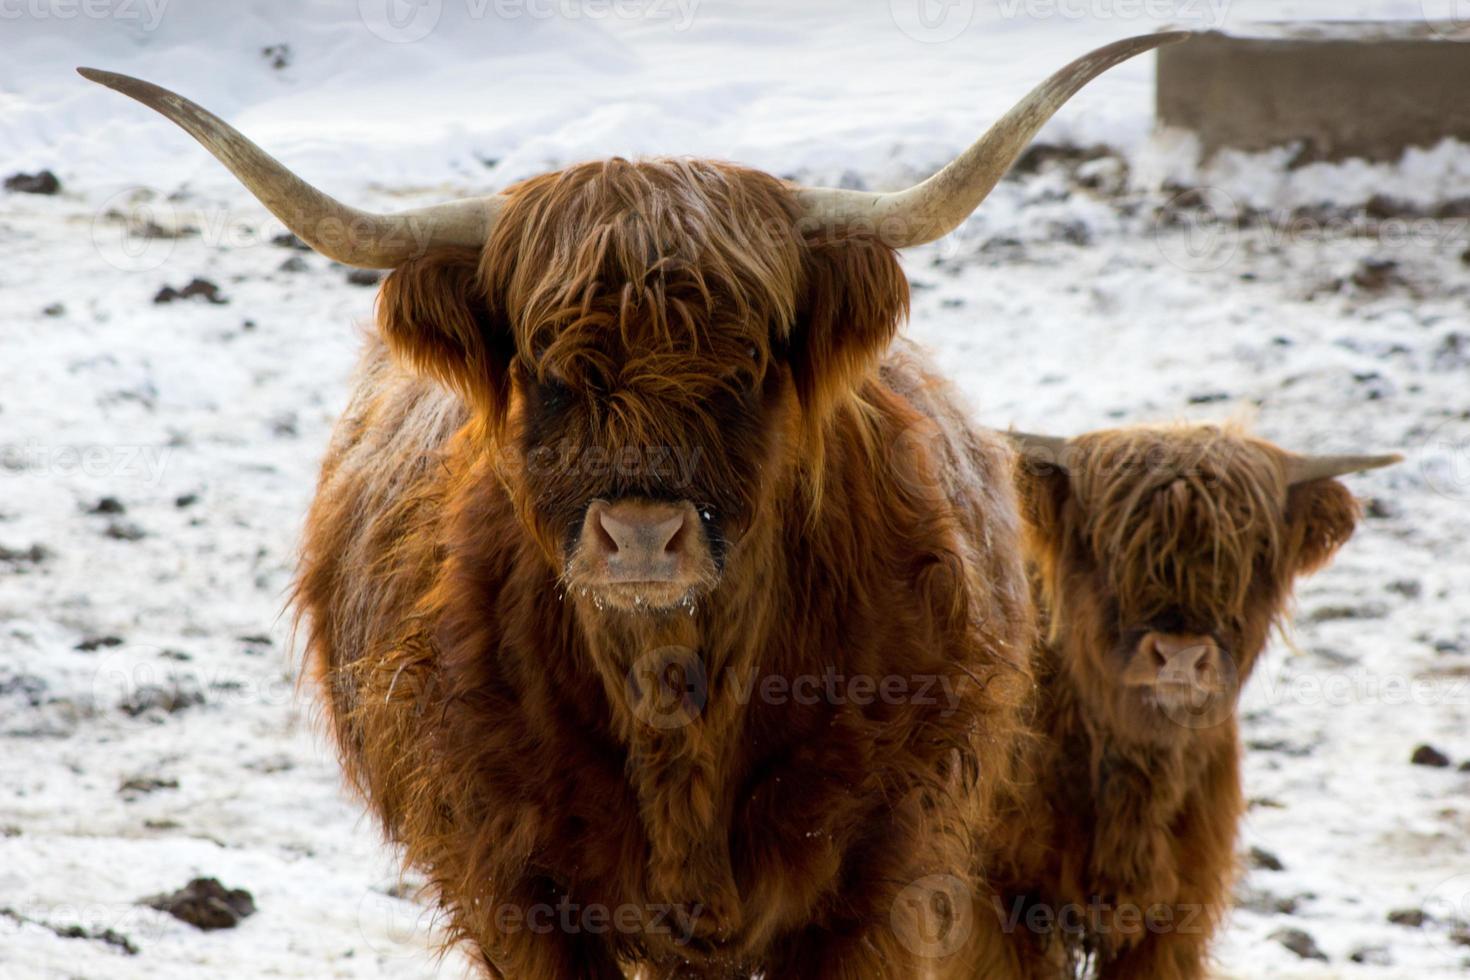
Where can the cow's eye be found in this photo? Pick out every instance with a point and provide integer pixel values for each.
(553, 393)
(746, 378)
(743, 383)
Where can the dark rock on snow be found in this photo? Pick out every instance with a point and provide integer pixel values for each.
(94, 643)
(1263, 860)
(150, 697)
(1413, 918)
(107, 505)
(1299, 942)
(288, 240)
(40, 182)
(196, 287)
(1428, 755)
(206, 904)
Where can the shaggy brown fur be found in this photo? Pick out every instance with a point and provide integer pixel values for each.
(1121, 850)
(591, 790)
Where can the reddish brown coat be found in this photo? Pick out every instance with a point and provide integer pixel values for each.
(512, 737)
(1123, 828)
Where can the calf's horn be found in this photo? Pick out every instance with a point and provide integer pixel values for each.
(937, 206)
(1299, 469)
(1041, 449)
(359, 238)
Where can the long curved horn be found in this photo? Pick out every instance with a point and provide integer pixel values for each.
(937, 206)
(360, 238)
(1304, 469)
(1035, 448)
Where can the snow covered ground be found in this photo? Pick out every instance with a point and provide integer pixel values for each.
(1079, 296)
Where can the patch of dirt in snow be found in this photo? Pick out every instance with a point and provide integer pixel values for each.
(151, 729)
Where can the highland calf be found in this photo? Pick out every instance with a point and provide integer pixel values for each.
(1161, 558)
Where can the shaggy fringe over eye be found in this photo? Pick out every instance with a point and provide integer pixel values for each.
(663, 283)
(1185, 516)
(710, 265)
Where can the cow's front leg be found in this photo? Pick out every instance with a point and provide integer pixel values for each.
(1175, 955)
(676, 773)
(906, 907)
(1169, 941)
(936, 928)
(535, 934)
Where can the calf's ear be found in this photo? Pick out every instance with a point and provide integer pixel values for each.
(1042, 489)
(435, 313)
(1320, 516)
(856, 296)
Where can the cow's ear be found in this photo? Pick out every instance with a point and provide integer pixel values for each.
(856, 296)
(1321, 516)
(436, 314)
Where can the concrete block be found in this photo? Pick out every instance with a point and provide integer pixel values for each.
(1338, 89)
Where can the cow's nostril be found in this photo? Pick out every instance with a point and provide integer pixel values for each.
(1154, 652)
(602, 532)
(602, 538)
(673, 532)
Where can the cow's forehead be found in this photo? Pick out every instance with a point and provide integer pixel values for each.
(1187, 518)
(605, 264)
(682, 206)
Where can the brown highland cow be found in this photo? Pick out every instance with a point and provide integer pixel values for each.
(630, 587)
(1161, 559)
